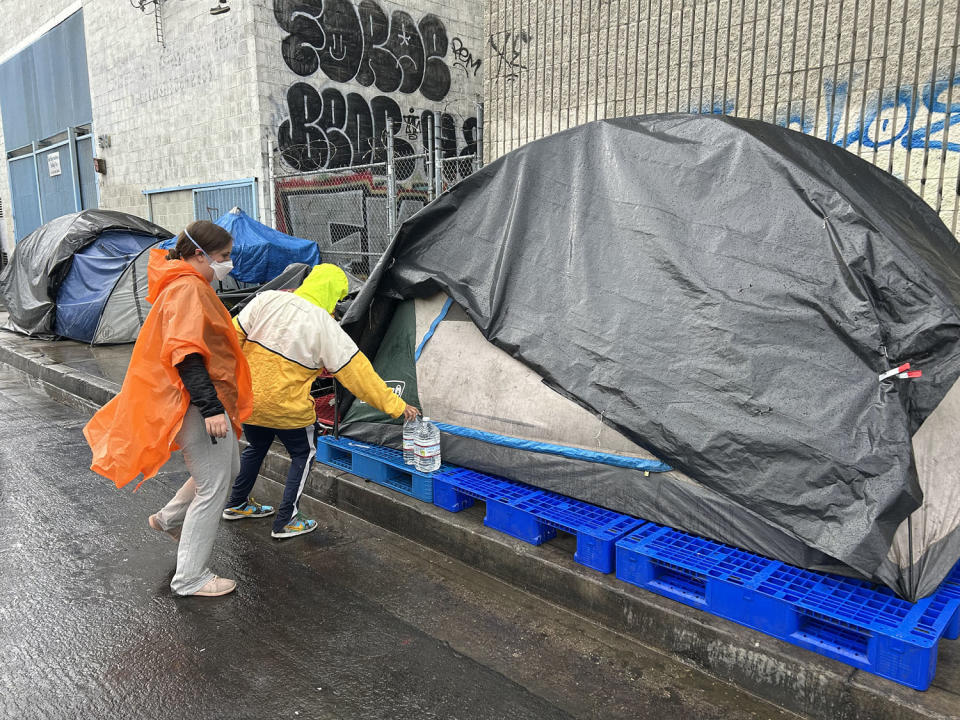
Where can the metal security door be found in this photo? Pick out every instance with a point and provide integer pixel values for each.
(58, 183)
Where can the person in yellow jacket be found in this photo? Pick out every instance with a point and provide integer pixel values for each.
(288, 340)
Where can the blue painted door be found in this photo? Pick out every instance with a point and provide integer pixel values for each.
(24, 195)
(88, 178)
(57, 183)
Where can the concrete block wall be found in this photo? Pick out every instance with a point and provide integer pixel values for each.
(875, 77)
(176, 114)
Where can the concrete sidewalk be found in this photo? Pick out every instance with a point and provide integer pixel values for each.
(787, 676)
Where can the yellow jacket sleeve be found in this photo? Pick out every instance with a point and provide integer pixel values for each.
(359, 377)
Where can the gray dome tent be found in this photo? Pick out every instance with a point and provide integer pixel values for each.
(715, 293)
(81, 276)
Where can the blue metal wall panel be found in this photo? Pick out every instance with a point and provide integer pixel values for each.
(44, 88)
(23, 190)
(19, 106)
(88, 178)
(56, 191)
(211, 203)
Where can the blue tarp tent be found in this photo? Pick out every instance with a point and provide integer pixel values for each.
(92, 280)
(261, 253)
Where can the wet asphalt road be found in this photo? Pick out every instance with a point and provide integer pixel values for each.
(348, 622)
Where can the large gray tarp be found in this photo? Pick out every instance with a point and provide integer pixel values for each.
(40, 262)
(725, 292)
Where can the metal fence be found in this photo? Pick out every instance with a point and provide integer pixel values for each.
(353, 212)
(878, 77)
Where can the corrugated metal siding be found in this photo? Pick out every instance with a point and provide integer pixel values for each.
(211, 203)
(45, 89)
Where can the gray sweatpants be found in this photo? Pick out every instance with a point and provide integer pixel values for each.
(199, 502)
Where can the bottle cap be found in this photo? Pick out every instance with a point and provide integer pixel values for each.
(426, 419)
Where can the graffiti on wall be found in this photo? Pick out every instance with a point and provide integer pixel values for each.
(507, 48)
(463, 58)
(327, 130)
(891, 119)
(344, 214)
(330, 127)
(360, 70)
(361, 44)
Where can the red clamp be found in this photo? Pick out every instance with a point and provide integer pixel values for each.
(902, 372)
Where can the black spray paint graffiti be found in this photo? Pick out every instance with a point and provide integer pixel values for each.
(361, 43)
(326, 130)
(508, 47)
(463, 58)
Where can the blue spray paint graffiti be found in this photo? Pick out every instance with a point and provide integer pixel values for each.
(892, 118)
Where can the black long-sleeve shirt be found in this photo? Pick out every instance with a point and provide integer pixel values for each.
(196, 379)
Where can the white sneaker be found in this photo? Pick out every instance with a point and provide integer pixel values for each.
(216, 587)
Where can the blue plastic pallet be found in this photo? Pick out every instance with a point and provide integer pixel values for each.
(849, 620)
(455, 489)
(534, 515)
(597, 529)
(376, 463)
(949, 590)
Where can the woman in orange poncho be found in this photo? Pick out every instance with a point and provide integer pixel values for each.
(187, 388)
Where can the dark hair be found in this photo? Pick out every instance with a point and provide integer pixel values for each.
(210, 236)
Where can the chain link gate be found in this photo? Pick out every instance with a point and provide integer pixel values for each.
(353, 212)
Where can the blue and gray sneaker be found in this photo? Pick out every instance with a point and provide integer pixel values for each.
(297, 526)
(250, 509)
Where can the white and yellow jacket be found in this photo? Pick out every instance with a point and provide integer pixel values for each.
(288, 340)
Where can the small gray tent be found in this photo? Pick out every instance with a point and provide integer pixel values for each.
(82, 276)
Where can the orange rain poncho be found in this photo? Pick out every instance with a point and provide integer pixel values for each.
(134, 432)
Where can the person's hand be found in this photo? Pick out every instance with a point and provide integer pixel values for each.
(216, 425)
(409, 413)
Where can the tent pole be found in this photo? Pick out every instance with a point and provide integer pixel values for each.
(910, 554)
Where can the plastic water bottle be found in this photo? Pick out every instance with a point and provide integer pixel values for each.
(427, 442)
(410, 428)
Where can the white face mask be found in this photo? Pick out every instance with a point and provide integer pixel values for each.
(220, 268)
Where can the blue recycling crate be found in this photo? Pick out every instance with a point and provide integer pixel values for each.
(376, 463)
(456, 488)
(597, 529)
(849, 620)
